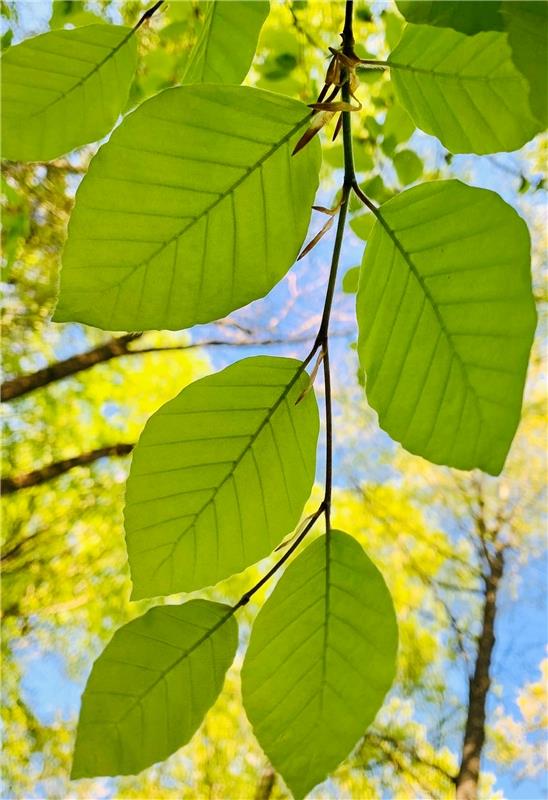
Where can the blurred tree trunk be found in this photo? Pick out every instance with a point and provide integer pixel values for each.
(480, 683)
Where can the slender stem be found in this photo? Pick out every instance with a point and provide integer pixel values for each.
(147, 15)
(322, 339)
(363, 197)
(245, 598)
(328, 441)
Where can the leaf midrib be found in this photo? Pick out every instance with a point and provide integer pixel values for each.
(84, 78)
(455, 76)
(185, 654)
(237, 462)
(231, 189)
(416, 273)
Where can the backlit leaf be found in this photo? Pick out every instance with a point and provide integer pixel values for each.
(64, 89)
(466, 16)
(321, 657)
(227, 42)
(408, 166)
(526, 23)
(151, 687)
(447, 318)
(193, 208)
(463, 89)
(220, 475)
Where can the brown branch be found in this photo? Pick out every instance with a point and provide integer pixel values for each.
(479, 685)
(266, 784)
(117, 347)
(38, 476)
(23, 384)
(394, 750)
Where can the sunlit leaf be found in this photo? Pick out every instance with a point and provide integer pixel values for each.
(362, 225)
(321, 657)
(466, 16)
(151, 687)
(447, 318)
(350, 280)
(193, 208)
(64, 89)
(227, 42)
(526, 23)
(220, 475)
(408, 166)
(463, 89)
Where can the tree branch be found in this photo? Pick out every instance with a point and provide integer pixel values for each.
(115, 348)
(23, 384)
(38, 476)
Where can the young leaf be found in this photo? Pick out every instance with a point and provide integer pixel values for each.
(463, 89)
(351, 280)
(526, 23)
(227, 42)
(408, 166)
(193, 208)
(446, 318)
(362, 225)
(466, 16)
(321, 657)
(64, 89)
(151, 687)
(220, 475)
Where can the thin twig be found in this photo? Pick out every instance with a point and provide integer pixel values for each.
(147, 15)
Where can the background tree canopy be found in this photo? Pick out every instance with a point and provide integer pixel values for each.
(463, 553)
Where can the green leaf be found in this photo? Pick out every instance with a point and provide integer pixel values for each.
(220, 475)
(408, 166)
(466, 16)
(398, 124)
(377, 189)
(193, 208)
(227, 42)
(151, 687)
(321, 657)
(350, 280)
(447, 318)
(526, 23)
(463, 89)
(362, 225)
(64, 89)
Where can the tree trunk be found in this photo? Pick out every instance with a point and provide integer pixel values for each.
(479, 685)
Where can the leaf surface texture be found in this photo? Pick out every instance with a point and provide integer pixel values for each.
(320, 660)
(227, 42)
(151, 687)
(193, 208)
(463, 89)
(220, 475)
(64, 89)
(446, 318)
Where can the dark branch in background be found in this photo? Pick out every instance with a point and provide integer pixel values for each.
(115, 348)
(56, 468)
(392, 747)
(147, 15)
(23, 384)
(266, 784)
